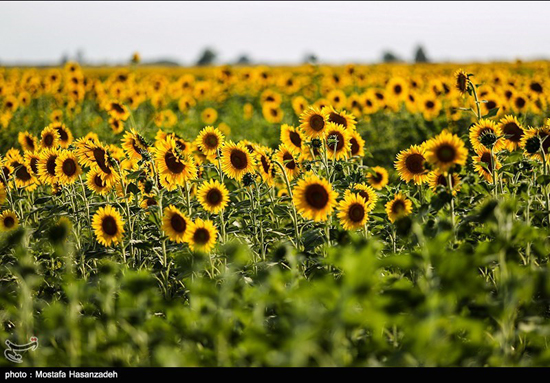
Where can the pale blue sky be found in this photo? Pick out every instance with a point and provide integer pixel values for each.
(275, 32)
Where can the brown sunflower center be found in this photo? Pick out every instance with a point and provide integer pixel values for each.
(50, 165)
(289, 162)
(462, 82)
(48, 140)
(397, 89)
(356, 212)
(34, 165)
(62, 134)
(520, 102)
(22, 173)
(109, 225)
(295, 139)
(238, 159)
(430, 104)
(513, 131)
(99, 156)
(211, 141)
(365, 195)
(336, 141)
(415, 163)
(9, 222)
(69, 167)
(98, 181)
(172, 163)
(30, 142)
(338, 119)
(446, 153)
(214, 197)
(398, 207)
(536, 87)
(486, 159)
(178, 223)
(150, 202)
(317, 196)
(354, 146)
(442, 180)
(317, 122)
(201, 236)
(117, 107)
(265, 165)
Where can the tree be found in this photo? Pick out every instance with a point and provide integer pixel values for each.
(243, 60)
(310, 58)
(390, 57)
(207, 58)
(420, 55)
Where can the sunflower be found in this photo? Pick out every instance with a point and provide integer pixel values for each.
(484, 127)
(534, 140)
(446, 150)
(430, 106)
(209, 140)
(353, 212)
(338, 141)
(292, 138)
(209, 116)
(213, 196)
(117, 126)
(236, 160)
(3, 194)
(519, 103)
(265, 165)
(117, 110)
(175, 224)
(108, 225)
(174, 168)
(95, 182)
(201, 235)
(368, 194)
(337, 98)
(8, 221)
(49, 138)
(147, 202)
(378, 178)
(485, 162)
(437, 179)
(462, 81)
(64, 134)
(134, 144)
(288, 160)
(47, 166)
(272, 113)
(23, 175)
(346, 120)
(512, 131)
(397, 88)
(313, 122)
(67, 167)
(398, 208)
(411, 164)
(357, 144)
(314, 198)
(28, 141)
(299, 104)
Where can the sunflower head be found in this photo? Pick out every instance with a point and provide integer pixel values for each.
(8, 221)
(175, 224)
(28, 142)
(313, 122)
(236, 160)
(446, 150)
(411, 163)
(209, 140)
(108, 226)
(288, 161)
(378, 177)
(512, 132)
(213, 196)
(314, 198)
(462, 81)
(49, 138)
(342, 118)
(67, 167)
(201, 235)
(398, 207)
(438, 180)
(292, 138)
(485, 134)
(485, 163)
(353, 212)
(338, 141)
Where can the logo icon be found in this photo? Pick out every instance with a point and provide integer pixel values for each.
(13, 350)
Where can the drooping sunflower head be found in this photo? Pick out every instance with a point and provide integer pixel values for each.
(313, 122)
(108, 225)
(209, 140)
(49, 138)
(8, 221)
(462, 81)
(485, 134)
(485, 163)
(201, 236)
(213, 196)
(175, 224)
(353, 212)
(28, 141)
(338, 141)
(292, 138)
(288, 161)
(378, 177)
(67, 167)
(314, 198)
(236, 160)
(398, 208)
(411, 163)
(134, 144)
(446, 150)
(512, 131)
(438, 180)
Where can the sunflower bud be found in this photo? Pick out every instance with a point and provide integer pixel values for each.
(316, 143)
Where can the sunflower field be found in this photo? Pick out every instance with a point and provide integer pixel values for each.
(359, 215)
